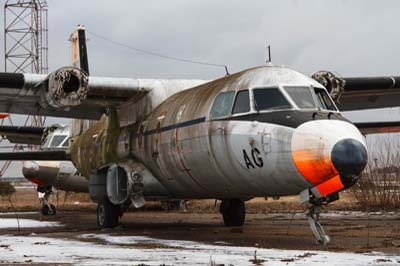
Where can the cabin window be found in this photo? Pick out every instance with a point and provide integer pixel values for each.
(242, 102)
(66, 143)
(57, 140)
(271, 98)
(222, 104)
(323, 99)
(301, 96)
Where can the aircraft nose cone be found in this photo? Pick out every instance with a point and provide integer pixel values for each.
(349, 156)
(30, 169)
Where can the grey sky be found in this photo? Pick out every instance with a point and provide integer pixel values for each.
(352, 38)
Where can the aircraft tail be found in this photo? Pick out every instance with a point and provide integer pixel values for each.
(79, 51)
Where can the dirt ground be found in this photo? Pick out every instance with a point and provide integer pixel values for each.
(269, 224)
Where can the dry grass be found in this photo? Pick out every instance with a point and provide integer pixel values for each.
(25, 199)
(284, 204)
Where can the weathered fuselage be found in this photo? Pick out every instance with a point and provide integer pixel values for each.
(242, 155)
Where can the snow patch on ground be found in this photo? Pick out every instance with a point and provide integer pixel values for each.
(25, 223)
(104, 249)
(18, 213)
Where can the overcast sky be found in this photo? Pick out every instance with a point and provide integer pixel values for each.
(352, 38)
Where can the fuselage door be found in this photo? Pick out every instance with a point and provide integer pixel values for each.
(266, 141)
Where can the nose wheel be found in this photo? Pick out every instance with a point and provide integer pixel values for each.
(318, 231)
(44, 193)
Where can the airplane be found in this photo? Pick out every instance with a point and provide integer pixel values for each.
(61, 175)
(267, 131)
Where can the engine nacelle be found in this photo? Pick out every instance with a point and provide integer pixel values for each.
(119, 185)
(66, 87)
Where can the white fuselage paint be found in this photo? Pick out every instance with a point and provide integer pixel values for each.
(170, 135)
(229, 158)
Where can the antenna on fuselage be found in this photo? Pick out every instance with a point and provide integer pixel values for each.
(268, 54)
(226, 70)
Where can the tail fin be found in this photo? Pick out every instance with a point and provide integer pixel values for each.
(79, 52)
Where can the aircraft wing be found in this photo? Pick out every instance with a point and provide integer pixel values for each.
(22, 135)
(357, 93)
(370, 93)
(378, 127)
(67, 92)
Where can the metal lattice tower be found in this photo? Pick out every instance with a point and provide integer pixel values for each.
(25, 47)
(25, 36)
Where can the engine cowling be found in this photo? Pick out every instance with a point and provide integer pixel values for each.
(66, 87)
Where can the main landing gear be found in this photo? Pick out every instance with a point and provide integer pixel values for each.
(108, 214)
(44, 193)
(233, 211)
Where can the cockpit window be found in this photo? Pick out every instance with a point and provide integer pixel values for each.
(242, 102)
(323, 99)
(222, 104)
(301, 96)
(57, 140)
(270, 98)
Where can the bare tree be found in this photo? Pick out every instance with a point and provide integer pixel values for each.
(379, 187)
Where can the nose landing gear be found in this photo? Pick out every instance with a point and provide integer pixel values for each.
(44, 193)
(309, 196)
(318, 231)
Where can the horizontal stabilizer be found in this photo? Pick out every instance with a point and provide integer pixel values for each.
(22, 135)
(35, 156)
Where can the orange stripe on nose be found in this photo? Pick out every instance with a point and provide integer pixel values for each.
(315, 168)
(330, 186)
(2, 116)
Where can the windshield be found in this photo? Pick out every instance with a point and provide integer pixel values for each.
(242, 103)
(323, 100)
(269, 98)
(301, 96)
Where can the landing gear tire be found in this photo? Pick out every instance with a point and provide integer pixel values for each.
(233, 212)
(108, 215)
(48, 209)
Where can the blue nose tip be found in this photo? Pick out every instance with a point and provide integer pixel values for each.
(349, 156)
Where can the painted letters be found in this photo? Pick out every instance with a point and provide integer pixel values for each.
(257, 160)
